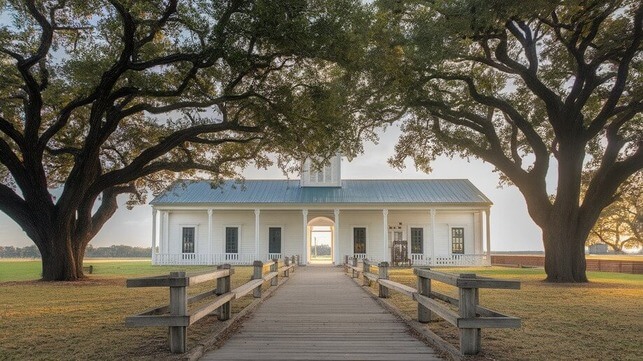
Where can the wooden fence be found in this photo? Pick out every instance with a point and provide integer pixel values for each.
(593, 263)
(176, 315)
(470, 317)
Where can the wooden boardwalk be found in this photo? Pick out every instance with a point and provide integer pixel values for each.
(320, 314)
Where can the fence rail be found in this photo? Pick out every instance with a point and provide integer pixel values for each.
(176, 315)
(470, 317)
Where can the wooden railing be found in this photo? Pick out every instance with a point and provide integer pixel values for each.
(176, 315)
(470, 317)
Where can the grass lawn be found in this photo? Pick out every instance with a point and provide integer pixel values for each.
(85, 320)
(601, 320)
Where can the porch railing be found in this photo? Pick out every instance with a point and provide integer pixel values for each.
(202, 258)
(274, 256)
(461, 260)
(420, 259)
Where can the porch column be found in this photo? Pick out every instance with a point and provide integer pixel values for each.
(336, 252)
(210, 241)
(165, 232)
(433, 240)
(488, 226)
(153, 236)
(385, 257)
(304, 254)
(257, 250)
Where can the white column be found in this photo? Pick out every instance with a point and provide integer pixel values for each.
(336, 251)
(210, 241)
(304, 254)
(488, 224)
(153, 236)
(386, 256)
(165, 232)
(433, 240)
(257, 250)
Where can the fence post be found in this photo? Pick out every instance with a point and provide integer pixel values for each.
(287, 264)
(178, 307)
(365, 269)
(257, 275)
(223, 287)
(354, 265)
(469, 337)
(383, 274)
(274, 267)
(298, 261)
(292, 260)
(424, 289)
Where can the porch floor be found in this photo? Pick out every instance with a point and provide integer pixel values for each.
(320, 314)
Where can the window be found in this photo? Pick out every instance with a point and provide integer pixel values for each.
(457, 240)
(359, 240)
(274, 240)
(188, 239)
(232, 240)
(417, 240)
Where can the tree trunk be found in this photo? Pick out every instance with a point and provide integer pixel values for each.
(61, 261)
(564, 254)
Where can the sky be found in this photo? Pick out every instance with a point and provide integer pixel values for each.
(511, 227)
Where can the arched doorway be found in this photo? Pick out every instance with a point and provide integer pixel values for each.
(320, 240)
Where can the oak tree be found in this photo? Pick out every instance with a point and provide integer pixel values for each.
(539, 89)
(117, 97)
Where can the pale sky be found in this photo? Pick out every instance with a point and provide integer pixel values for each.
(511, 227)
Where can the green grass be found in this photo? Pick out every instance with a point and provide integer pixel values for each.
(85, 320)
(600, 320)
(27, 270)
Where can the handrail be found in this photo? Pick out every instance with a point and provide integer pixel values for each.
(176, 316)
(469, 318)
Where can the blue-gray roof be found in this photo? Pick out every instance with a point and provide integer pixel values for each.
(416, 191)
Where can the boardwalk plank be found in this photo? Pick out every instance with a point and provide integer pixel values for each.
(320, 314)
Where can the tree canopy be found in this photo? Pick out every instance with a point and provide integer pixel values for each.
(101, 98)
(536, 88)
(619, 224)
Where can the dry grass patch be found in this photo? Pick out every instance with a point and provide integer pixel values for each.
(85, 320)
(600, 320)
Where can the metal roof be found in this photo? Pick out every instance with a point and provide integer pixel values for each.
(416, 191)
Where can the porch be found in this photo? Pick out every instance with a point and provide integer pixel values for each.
(453, 260)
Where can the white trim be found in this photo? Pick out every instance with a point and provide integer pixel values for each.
(210, 230)
(166, 232)
(305, 251)
(488, 231)
(154, 250)
(434, 240)
(337, 256)
(385, 238)
(257, 213)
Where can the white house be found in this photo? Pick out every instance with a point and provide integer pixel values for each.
(440, 221)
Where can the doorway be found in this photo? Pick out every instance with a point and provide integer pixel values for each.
(320, 240)
(321, 243)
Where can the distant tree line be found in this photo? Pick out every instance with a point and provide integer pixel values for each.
(111, 251)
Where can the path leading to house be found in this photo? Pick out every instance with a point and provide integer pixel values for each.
(321, 314)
